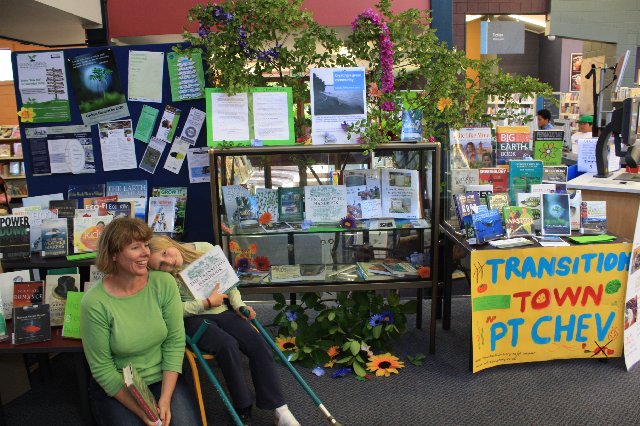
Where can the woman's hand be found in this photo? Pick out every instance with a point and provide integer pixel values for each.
(215, 298)
(164, 408)
(252, 313)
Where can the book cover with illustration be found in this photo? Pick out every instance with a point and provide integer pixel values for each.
(267, 201)
(463, 177)
(120, 209)
(593, 217)
(554, 174)
(513, 143)
(471, 148)
(180, 194)
(54, 234)
(496, 176)
(372, 270)
(141, 393)
(55, 294)
(36, 219)
(465, 204)
(325, 203)
(556, 214)
(364, 196)
(15, 239)
(522, 174)
(483, 190)
(411, 125)
(82, 191)
(487, 225)
(162, 213)
(291, 204)
(131, 190)
(66, 208)
(575, 201)
(71, 322)
(99, 203)
(285, 273)
(87, 231)
(518, 221)
(547, 146)
(27, 293)
(201, 276)
(532, 202)
(400, 269)
(400, 193)
(31, 324)
(7, 281)
(277, 227)
(234, 196)
(498, 201)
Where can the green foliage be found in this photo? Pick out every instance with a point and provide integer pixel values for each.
(418, 359)
(345, 322)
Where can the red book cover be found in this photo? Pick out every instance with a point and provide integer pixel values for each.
(497, 176)
(100, 203)
(27, 293)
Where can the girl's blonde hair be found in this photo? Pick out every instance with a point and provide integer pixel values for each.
(116, 236)
(162, 242)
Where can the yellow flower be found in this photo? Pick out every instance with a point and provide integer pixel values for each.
(333, 351)
(330, 364)
(444, 103)
(286, 344)
(26, 115)
(384, 365)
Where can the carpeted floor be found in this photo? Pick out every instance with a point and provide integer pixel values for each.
(441, 391)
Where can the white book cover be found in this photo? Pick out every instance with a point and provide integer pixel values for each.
(6, 289)
(325, 203)
(213, 267)
(231, 195)
(36, 217)
(162, 214)
(575, 199)
(55, 294)
(463, 177)
(400, 193)
(267, 201)
(86, 213)
(542, 188)
(363, 193)
(95, 274)
(285, 273)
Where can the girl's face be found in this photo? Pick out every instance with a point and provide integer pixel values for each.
(167, 260)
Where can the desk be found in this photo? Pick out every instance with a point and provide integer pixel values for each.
(623, 200)
(57, 344)
(536, 303)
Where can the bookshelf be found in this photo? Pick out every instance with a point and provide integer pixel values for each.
(12, 162)
(570, 108)
(526, 106)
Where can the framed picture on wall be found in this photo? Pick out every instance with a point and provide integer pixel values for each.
(575, 78)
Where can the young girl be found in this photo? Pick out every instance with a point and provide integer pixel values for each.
(228, 334)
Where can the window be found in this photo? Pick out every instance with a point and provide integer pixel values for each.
(6, 71)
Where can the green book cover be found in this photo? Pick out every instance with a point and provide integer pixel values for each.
(518, 221)
(291, 204)
(3, 322)
(71, 323)
(186, 75)
(63, 271)
(547, 146)
(522, 173)
(180, 194)
(141, 393)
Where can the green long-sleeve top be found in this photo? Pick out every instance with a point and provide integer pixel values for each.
(145, 329)
(192, 306)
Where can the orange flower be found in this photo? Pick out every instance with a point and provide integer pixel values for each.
(265, 218)
(444, 103)
(384, 365)
(287, 344)
(26, 115)
(424, 272)
(374, 92)
(333, 351)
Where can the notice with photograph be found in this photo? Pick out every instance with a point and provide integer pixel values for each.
(400, 193)
(145, 76)
(338, 95)
(152, 155)
(168, 123)
(199, 169)
(325, 203)
(177, 155)
(97, 88)
(192, 127)
(186, 75)
(117, 146)
(363, 193)
(42, 81)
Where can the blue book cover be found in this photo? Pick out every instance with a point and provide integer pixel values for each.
(131, 190)
(556, 214)
(487, 225)
(411, 125)
(55, 238)
(523, 173)
(119, 209)
(465, 204)
(82, 191)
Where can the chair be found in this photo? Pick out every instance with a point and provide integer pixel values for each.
(191, 357)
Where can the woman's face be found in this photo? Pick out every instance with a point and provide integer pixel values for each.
(134, 258)
(167, 260)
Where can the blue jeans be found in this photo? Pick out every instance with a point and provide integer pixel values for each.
(108, 411)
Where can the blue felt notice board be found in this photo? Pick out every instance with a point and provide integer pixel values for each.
(198, 221)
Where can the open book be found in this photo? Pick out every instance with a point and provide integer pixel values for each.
(141, 393)
(201, 276)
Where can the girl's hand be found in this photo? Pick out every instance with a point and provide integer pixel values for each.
(252, 313)
(164, 408)
(215, 298)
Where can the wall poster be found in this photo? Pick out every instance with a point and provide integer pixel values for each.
(575, 78)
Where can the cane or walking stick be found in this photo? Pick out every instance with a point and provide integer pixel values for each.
(193, 343)
(291, 368)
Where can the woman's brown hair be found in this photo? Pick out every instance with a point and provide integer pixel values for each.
(116, 236)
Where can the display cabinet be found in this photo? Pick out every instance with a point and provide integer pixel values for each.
(334, 254)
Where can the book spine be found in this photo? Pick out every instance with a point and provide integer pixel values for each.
(143, 404)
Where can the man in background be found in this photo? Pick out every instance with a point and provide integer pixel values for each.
(585, 130)
(544, 119)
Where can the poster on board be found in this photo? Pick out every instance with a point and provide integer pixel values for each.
(547, 303)
(575, 78)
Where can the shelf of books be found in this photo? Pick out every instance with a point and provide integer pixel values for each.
(297, 223)
(11, 161)
(570, 108)
(526, 106)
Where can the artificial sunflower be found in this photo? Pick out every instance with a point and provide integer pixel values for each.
(444, 103)
(384, 365)
(26, 115)
(287, 344)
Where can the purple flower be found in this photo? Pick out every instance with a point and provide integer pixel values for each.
(348, 222)
(432, 139)
(291, 316)
(385, 46)
(387, 317)
(341, 372)
(242, 264)
(203, 31)
(318, 371)
(375, 320)
(344, 126)
(387, 106)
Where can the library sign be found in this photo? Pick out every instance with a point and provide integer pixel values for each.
(547, 303)
(501, 37)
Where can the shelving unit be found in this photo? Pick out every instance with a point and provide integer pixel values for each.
(527, 106)
(570, 108)
(12, 162)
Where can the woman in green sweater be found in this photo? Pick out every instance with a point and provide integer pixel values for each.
(134, 315)
(228, 334)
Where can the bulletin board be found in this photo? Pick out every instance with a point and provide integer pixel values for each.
(198, 220)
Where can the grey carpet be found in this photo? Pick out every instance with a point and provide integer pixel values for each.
(442, 391)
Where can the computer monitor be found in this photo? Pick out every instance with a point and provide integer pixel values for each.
(624, 129)
(630, 122)
(565, 125)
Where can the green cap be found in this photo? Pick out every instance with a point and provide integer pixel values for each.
(586, 119)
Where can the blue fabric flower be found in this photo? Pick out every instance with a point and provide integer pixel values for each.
(341, 372)
(376, 319)
(291, 316)
(387, 317)
(318, 371)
